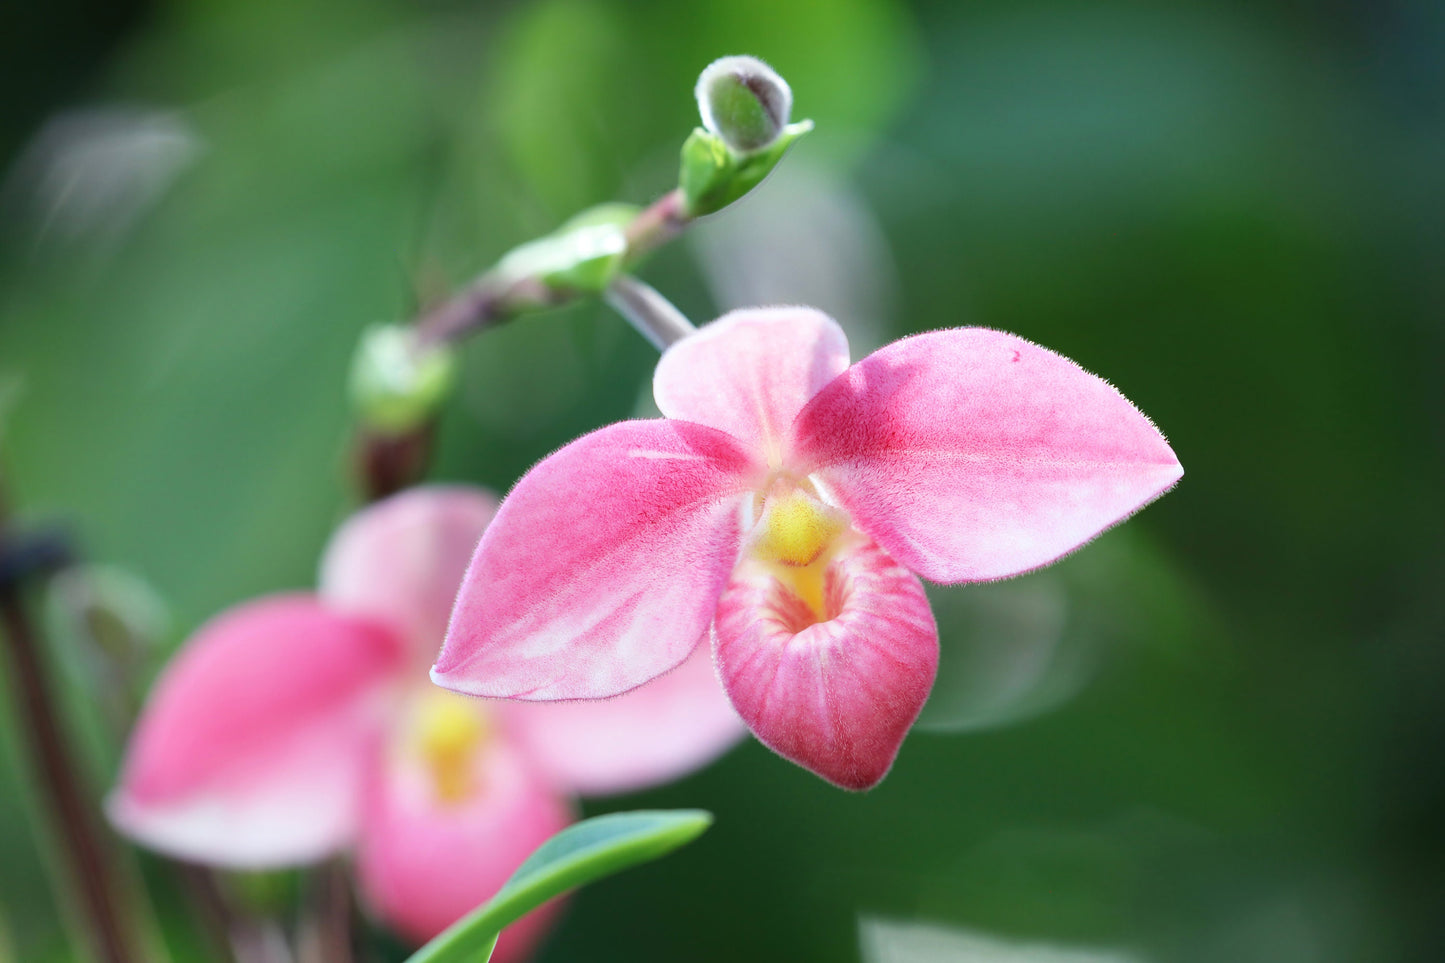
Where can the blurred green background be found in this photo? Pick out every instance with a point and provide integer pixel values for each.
(1215, 734)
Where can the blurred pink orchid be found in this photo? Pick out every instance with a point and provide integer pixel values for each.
(781, 508)
(295, 726)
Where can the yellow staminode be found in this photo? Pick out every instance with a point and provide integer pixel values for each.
(449, 729)
(796, 529)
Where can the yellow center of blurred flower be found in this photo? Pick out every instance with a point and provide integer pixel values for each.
(447, 732)
(794, 538)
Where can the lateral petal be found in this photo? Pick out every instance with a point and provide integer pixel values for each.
(603, 566)
(401, 559)
(750, 372)
(971, 454)
(659, 731)
(249, 750)
(837, 695)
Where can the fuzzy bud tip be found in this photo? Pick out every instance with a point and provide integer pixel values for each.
(744, 102)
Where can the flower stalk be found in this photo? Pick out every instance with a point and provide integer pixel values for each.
(744, 106)
(654, 317)
(386, 462)
(240, 936)
(497, 295)
(327, 933)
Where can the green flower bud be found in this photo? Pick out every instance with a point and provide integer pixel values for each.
(744, 102)
(397, 385)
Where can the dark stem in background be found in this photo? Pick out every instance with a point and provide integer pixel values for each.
(326, 935)
(385, 464)
(88, 868)
(242, 937)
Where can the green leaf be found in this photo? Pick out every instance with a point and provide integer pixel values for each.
(577, 855)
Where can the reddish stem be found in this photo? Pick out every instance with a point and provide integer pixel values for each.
(386, 463)
(494, 298)
(327, 937)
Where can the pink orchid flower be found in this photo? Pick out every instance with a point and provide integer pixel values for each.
(782, 508)
(296, 726)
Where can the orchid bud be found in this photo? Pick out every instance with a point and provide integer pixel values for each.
(745, 107)
(744, 102)
(397, 384)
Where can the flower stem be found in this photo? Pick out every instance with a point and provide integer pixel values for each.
(387, 463)
(494, 298)
(664, 220)
(240, 936)
(648, 311)
(88, 869)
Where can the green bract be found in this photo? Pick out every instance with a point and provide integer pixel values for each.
(712, 176)
(583, 255)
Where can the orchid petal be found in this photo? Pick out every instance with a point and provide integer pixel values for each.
(423, 863)
(970, 454)
(750, 372)
(657, 732)
(401, 559)
(250, 749)
(835, 696)
(603, 566)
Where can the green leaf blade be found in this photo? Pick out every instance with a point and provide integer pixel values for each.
(581, 853)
